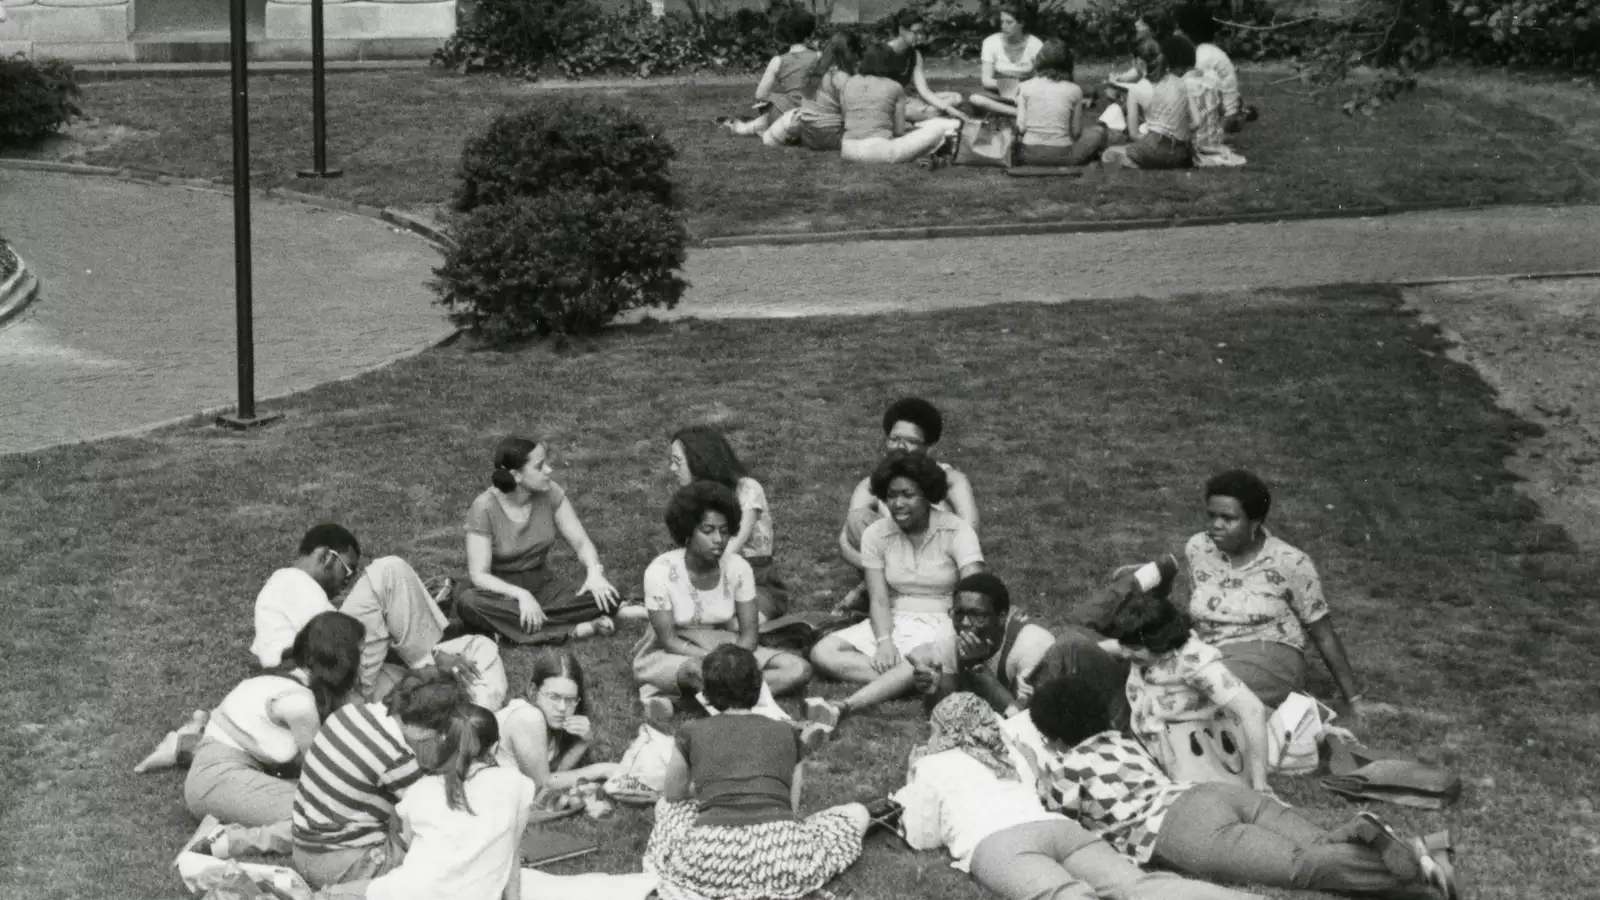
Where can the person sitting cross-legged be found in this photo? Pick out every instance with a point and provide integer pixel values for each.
(913, 560)
(1109, 783)
(404, 625)
(965, 792)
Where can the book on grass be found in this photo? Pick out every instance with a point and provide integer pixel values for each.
(542, 846)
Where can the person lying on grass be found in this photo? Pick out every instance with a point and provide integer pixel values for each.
(910, 425)
(700, 597)
(1109, 783)
(913, 561)
(1000, 654)
(404, 625)
(463, 823)
(359, 766)
(1006, 58)
(728, 822)
(546, 736)
(512, 591)
(243, 773)
(965, 792)
(778, 92)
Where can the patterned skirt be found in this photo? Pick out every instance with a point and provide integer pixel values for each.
(780, 860)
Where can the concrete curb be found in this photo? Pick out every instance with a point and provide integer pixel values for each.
(19, 291)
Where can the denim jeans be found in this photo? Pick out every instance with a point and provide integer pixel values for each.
(1058, 860)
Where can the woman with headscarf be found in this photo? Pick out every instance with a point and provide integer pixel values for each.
(964, 792)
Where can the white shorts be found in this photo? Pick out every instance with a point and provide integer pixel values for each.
(911, 630)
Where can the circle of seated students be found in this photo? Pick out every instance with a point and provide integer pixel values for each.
(378, 750)
(870, 101)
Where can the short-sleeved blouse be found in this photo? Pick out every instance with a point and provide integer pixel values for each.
(667, 587)
(753, 502)
(1187, 683)
(922, 574)
(742, 766)
(1272, 598)
(516, 546)
(1007, 68)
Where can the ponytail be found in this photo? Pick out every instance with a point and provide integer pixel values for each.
(470, 737)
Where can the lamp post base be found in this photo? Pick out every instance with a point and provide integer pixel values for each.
(237, 423)
(319, 173)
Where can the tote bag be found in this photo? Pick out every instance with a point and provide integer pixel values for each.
(984, 143)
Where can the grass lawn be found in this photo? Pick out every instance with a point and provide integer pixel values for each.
(398, 134)
(1088, 428)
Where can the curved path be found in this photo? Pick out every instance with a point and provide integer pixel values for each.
(135, 323)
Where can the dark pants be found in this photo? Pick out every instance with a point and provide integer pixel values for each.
(486, 612)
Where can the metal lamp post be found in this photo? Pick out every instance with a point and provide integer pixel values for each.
(319, 112)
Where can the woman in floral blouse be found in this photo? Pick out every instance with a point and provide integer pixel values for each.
(1256, 598)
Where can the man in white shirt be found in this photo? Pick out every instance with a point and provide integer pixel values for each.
(403, 622)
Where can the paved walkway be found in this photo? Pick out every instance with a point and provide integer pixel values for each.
(135, 323)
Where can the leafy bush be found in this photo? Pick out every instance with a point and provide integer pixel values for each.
(8, 260)
(36, 98)
(1533, 32)
(562, 262)
(517, 36)
(571, 143)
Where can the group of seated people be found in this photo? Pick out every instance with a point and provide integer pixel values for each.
(377, 747)
(870, 101)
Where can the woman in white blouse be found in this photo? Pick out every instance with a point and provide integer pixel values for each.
(1007, 60)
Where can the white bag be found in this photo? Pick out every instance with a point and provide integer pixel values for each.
(200, 872)
(1295, 731)
(644, 765)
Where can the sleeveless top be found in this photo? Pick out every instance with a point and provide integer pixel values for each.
(243, 720)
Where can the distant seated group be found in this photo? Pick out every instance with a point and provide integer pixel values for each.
(378, 749)
(1173, 107)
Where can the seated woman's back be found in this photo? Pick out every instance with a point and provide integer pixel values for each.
(1047, 110)
(456, 852)
(824, 106)
(245, 718)
(742, 767)
(869, 103)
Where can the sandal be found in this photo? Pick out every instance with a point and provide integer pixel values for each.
(1441, 852)
(1404, 859)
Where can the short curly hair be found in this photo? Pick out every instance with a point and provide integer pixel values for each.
(918, 412)
(1069, 710)
(1244, 486)
(1147, 620)
(689, 505)
(928, 475)
(732, 677)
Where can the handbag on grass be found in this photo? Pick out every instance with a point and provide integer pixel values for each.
(1361, 773)
(986, 142)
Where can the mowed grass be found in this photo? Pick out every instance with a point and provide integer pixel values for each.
(398, 135)
(131, 564)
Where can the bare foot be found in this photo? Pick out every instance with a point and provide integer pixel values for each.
(165, 755)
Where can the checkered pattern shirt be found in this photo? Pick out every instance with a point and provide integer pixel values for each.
(1112, 786)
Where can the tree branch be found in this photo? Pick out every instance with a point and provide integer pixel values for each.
(1275, 27)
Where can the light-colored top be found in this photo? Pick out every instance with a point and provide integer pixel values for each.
(243, 720)
(869, 106)
(1213, 60)
(951, 800)
(753, 502)
(1009, 70)
(516, 546)
(1045, 108)
(1270, 599)
(1167, 112)
(519, 714)
(1112, 787)
(356, 770)
(288, 600)
(1188, 683)
(455, 853)
(921, 573)
(667, 587)
(1205, 109)
(822, 110)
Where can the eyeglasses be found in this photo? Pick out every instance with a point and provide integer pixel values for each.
(348, 571)
(569, 701)
(969, 615)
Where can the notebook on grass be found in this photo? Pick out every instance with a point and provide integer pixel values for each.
(542, 846)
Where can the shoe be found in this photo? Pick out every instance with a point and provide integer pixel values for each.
(814, 736)
(824, 712)
(1403, 859)
(209, 839)
(724, 120)
(1439, 865)
(633, 612)
(658, 710)
(604, 627)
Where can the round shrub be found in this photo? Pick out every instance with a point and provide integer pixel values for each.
(562, 262)
(570, 143)
(36, 98)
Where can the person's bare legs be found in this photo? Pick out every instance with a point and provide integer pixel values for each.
(786, 673)
(176, 746)
(835, 659)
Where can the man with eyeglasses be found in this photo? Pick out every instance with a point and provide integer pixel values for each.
(911, 31)
(404, 624)
(998, 648)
